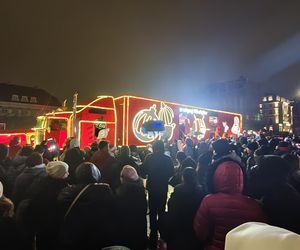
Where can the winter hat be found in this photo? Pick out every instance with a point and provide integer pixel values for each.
(57, 169)
(252, 146)
(87, 173)
(261, 236)
(221, 147)
(129, 173)
(74, 143)
(1, 189)
(33, 160)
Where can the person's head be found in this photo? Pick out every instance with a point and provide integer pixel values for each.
(128, 174)
(189, 176)
(15, 141)
(251, 147)
(221, 147)
(273, 169)
(125, 151)
(263, 141)
(261, 151)
(224, 175)
(133, 150)
(39, 149)
(74, 143)
(87, 173)
(205, 159)
(103, 146)
(273, 143)
(180, 156)
(34, 159)
(94, 147)
(158, 147)
(189, 162)
(3, 152)
(202, 147)
(57, 169)
(26, 151)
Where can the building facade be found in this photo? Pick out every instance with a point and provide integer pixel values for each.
(277, 113)
(20, 105)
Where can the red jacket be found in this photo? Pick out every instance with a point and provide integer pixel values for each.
(226, 208)
(104, 162)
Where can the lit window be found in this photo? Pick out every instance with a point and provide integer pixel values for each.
(24, 98)
(278, 98)
(15, 98)
(270, 98)
(33, 99)
(264, 99)
(260, 106)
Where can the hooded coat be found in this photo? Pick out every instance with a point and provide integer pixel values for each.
(226, 207)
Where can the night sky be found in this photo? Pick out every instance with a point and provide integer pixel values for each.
(156, 48)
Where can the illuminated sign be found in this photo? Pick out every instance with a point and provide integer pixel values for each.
(164, 114)
(193, 111)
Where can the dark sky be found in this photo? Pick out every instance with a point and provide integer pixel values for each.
(157, 48)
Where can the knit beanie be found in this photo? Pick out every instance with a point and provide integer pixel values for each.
(1, 189)
(129, 173)
(57, 169)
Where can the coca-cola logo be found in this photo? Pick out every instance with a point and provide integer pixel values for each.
(164, 114)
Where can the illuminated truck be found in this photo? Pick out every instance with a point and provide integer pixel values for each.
(121, 121)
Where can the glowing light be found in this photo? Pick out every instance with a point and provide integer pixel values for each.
(193, 111)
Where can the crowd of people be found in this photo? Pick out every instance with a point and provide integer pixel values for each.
(95, 197)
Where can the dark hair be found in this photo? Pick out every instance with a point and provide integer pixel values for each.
(180, 156)
(189, 162)
(221, 147)
(103, 144)
(189, 176)
(158, 147)
(87, 173)
(133, 148)
(26, 151)
(33, 160)
(124, 151)
(39, 149)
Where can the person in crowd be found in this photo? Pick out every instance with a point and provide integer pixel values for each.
(74, 157)
(132, 210)
(189, 149)
(273, 143)
(135, 153)
(87, 153)
(123, 159)
(104, 161)
(294, 175)
(261, 236)
(202, 148)
(10, 238)
(221, 148)
(250, 149)
(19, 160)
(282, 148)
(158, 168)
(14, 146)
(4, 169)
(35, 169)
(204, 161)
(41, 150)
(88, 210)
(225, 207)
(177, 225)
(177, 178)
(42, 213)
(281, 202)
(65, 149)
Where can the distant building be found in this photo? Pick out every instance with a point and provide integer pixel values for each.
(296, 116)
(20, 105)
(277, 113)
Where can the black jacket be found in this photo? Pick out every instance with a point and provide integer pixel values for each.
(24, 181)
(91, 222)
(132, 211)
(159, 169)
(177, 226)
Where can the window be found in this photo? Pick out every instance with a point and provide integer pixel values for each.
(24, 98)
(278, 98)
(33, 99)
(270, 98)
(260, 106)
(15, 98)
(264, 99)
